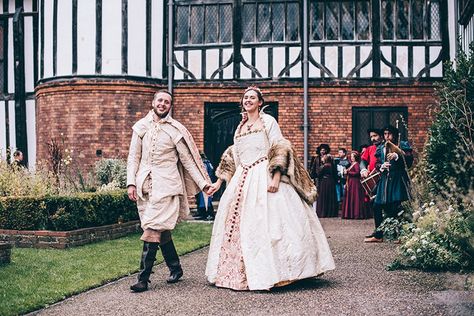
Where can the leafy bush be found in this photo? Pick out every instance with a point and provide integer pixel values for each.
(111, 170)
(441, 236)
(66, 212)
(16, 181)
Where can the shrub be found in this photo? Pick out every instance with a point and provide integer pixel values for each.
(66, 212)
(111, 170)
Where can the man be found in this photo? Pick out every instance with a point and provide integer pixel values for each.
(342, 163)
(315, 165)
(17, 162)
(393, 187)
(163, 169)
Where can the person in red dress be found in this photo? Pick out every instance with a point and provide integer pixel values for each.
(353, 206)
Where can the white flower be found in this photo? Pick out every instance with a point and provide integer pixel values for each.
(413, 258)
(432, 203)
(418, 250)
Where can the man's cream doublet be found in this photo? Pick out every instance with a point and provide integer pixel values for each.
(159, 161)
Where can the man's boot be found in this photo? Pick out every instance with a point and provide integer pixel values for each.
(146, 265)
(172, 261)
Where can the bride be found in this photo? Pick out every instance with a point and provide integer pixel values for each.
(266, 233)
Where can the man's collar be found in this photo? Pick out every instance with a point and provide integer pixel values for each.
(166, 119)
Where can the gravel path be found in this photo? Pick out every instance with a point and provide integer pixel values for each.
(360, 285)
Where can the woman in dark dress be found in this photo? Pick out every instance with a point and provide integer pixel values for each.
(354, 206)
(326, 204)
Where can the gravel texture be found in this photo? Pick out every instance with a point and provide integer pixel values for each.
(360, 285)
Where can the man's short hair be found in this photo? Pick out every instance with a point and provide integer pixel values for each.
(17, 153)
(163, 91)
(343, 149)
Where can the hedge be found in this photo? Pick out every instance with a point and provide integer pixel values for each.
(63, 213)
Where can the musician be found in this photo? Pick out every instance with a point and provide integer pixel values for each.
(393, 187)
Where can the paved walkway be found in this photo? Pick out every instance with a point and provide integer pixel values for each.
(360, 285)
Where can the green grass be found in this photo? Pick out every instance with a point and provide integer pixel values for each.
(38, 277)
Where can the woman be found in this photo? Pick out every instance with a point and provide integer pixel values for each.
(354, 206)
(326, 205)
(265, 233)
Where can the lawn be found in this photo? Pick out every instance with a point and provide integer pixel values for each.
(38, 277)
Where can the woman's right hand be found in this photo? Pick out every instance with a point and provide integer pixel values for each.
(214, 187)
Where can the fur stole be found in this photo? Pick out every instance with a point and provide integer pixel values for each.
(282, 156)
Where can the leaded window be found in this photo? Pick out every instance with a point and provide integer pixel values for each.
(270, 21)
(339, 20)
(410, 20)
(203, 23)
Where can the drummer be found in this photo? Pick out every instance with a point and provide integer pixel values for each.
(367, 167)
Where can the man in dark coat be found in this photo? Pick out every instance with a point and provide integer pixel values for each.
(394, 185)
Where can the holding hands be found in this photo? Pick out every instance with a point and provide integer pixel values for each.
(213, 188)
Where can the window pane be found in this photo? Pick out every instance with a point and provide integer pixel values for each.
(348, 20)
(363, 23)
(317, 26)
(387, 19)
(292, 20)
(225, 23)
(435, 29)
(248, 23)
(332, 20)
(212, 12)
(417, 19)
(402, 19)
(278, 11)
(263, 27)
(380, 119)
(197, 23)
(182, 27)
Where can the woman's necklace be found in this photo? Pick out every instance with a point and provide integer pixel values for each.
(249, 126)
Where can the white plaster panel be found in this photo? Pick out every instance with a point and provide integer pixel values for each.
(261, 61)
(157, 44)
(278, 60)
(48, 38)
(295, 71)
(64, 40)
(229, 70)
(436, 71)
(31, 132)
(313, 71)
(11, 120)
(178, 74)
(348, 59)
(29, 58)
(418, 59)
(194, 63)
(10, 68)
(402, 59)
(245, 73)
(137, 38)
(86, 37)
(112, 37)
(365, 72)
(212, 62)
(28, 5)
(331, 59)
(385, 70)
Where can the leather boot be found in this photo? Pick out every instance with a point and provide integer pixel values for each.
(172, 261)
(146, 265)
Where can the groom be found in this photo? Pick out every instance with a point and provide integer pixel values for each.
(163, 169)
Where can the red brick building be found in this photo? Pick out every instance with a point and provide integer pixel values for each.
(363, 64)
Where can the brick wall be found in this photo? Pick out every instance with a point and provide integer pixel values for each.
(66, 239)
(98, 114)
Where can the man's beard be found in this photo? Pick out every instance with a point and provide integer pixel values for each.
(162, 115)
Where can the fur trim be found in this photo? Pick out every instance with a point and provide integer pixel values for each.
(282, 156)
(226, 168)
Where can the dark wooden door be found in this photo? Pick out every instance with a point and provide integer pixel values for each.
(220, 122)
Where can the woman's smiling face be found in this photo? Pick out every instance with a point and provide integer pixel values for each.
(250, 101)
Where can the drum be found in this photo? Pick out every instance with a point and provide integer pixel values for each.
(370, 184)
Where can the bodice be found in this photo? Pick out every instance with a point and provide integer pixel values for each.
(251, 146)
